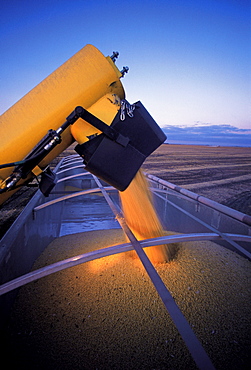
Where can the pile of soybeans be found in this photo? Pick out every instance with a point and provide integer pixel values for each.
(106, 314)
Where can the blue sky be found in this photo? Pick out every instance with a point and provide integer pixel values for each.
(190, 61)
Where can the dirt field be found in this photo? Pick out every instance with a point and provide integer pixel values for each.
(222, 174)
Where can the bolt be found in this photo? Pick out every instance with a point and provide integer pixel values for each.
(114, 56)
(124, 71)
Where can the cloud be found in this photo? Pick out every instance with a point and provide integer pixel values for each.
(201, 133)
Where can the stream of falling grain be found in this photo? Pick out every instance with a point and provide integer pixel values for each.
(141, 217)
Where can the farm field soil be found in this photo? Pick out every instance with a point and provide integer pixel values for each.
(222, 174)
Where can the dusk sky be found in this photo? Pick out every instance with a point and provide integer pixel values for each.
(190, 61)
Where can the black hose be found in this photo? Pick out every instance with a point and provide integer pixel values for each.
(21, 163)
(12, 164)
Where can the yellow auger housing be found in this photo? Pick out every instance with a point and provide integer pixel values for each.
(83, 101)
(87, 79)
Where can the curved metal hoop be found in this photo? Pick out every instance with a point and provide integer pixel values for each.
(105, 252)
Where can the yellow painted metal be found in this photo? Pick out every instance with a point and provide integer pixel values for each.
(87, 79)
(105, 109)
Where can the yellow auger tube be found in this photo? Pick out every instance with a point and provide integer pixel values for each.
(87, 79)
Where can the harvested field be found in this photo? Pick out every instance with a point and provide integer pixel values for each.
(222, 174)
